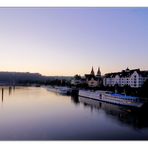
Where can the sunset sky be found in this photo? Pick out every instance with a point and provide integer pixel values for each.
(69, 41)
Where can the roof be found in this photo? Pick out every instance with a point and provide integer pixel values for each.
(144, 73)
(92, 71)
(90, 76)
(98, 72)
(127, 73)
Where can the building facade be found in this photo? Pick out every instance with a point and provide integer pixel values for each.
(77, 80)
(91, 79)
(133, 78)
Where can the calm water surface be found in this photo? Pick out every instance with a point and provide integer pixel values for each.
(29, 113)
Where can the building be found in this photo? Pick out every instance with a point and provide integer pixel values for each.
(133, 78)
(91, 79)
(77, 80)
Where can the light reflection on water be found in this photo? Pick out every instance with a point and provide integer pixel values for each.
(29, 113)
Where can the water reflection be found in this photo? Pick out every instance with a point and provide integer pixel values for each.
(2, 94)
(75, 99)
(10, 90)
(136, 118)
(37, 114)
(6, 89)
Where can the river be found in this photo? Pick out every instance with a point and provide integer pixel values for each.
(33, 113)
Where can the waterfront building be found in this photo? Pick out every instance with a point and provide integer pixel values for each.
(91, 79)
(133, 78)
(77, 80)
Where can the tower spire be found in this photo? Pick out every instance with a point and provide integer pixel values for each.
(92, 71)
(98, 72)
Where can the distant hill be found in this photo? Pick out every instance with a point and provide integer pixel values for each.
(17, 77)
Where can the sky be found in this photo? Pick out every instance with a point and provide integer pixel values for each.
(69, 41)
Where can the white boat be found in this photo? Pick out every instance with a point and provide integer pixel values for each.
(61, 90)
(52, 89)
(64, 90)
(112, 98)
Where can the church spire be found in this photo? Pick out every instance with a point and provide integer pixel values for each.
(92, 71)
(98, 72)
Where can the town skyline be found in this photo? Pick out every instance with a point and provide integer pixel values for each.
(87, 72)
(69, 41)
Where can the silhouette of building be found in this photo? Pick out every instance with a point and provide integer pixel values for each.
(92, 71)
(91, 79)
(77, 80)
(98, 72)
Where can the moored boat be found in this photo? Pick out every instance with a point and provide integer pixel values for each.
(61, 90)
(112, 98)
(64, 90)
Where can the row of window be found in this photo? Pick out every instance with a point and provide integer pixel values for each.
(132, 85)
(125, 81)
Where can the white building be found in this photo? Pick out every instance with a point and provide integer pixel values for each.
(134, 78)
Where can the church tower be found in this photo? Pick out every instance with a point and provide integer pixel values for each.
(98, 72)
(92, 71)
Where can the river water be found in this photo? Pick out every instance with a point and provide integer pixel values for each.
(33, 113)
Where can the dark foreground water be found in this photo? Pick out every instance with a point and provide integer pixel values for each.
(37, 114)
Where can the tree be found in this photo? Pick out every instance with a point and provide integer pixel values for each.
(144, 89)
(77, 77)
(127, 89)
